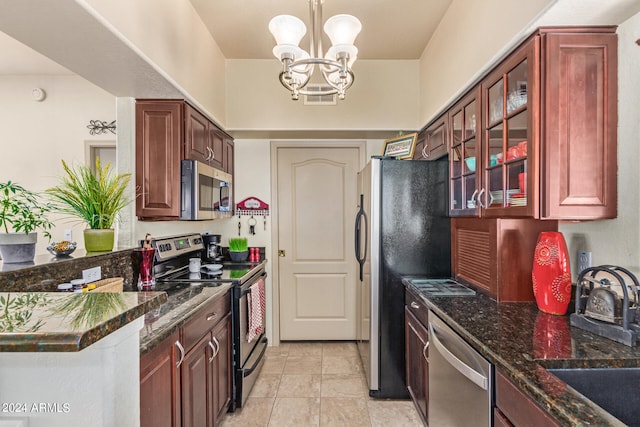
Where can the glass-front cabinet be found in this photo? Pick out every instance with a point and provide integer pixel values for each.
(465, 159)
(508, 137)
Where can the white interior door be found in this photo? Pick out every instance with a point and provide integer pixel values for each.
(317, 203)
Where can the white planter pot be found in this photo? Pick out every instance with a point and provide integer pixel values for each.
(18, 247)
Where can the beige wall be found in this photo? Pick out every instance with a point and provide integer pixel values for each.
(36, 136)
(471, 36)
(384, 96)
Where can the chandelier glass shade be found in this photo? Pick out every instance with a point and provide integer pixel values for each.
(299, 65)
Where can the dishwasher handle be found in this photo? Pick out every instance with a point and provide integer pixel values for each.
(474, 376)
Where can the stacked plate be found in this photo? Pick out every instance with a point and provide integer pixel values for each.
(517, 199)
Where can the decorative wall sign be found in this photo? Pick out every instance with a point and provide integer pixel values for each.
(252, 206)
(400, 147)
(98, 127)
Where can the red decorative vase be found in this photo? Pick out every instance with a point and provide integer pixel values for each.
(551, 273)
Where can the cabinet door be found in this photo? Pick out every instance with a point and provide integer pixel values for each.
(465, 178)
(510, 134)
(160, 385)
(216, 142)
(228, 156)
(221, 368)
(196, 385)
(436, 143)
(158, 155)
(517, 407)
(417, 366)
(196, 139)
(579, 137)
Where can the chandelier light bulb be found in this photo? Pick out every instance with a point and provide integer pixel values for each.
(342, 29)
(287, 29)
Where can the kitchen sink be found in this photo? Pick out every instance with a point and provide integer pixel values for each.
(613, 389)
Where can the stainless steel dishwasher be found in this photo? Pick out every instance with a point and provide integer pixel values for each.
(460, 380)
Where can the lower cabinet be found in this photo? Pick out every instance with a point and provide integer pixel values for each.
(186, 380)
(416, 352)
(514, 408)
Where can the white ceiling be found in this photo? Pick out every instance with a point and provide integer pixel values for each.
(398, 29)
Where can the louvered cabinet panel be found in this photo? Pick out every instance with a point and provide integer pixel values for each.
(495, 255)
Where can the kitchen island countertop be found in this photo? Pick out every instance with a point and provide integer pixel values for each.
(522, 341)
(68, 322)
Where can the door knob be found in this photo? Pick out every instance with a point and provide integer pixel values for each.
(281, 253)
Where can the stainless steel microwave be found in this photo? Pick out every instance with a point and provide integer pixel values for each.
(204, 191)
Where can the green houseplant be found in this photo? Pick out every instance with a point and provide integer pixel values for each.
(22, 213)
(238, 249)
(94, 197)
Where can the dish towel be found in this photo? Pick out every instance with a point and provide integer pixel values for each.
(256, 302)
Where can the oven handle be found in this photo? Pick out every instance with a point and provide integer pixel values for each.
(248, 371)
(248, 289)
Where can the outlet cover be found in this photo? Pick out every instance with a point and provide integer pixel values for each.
(68, 235)
(584, 260)
(92, 274)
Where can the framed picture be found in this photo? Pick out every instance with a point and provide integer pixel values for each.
(400, 147)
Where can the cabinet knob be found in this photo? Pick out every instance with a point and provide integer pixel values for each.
(212, 316)
(414, 305)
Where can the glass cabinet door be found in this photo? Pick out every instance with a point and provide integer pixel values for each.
(507, 137)
(465, 159)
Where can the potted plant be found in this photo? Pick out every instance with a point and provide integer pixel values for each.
(22, 213)
(238, 249)
(94, 197)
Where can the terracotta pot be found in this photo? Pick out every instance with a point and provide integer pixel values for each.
(99, 240)
(551, 273)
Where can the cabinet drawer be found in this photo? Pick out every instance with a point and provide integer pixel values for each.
(205, 319)
(519, 408)
(416, 306)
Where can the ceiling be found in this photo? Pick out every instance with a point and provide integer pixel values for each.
(390, 29)
(240, 29)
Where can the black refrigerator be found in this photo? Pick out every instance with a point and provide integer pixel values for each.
(402, 228)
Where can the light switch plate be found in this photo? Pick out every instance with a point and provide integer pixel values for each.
(68, 235)
(92, 274)
(584, 260)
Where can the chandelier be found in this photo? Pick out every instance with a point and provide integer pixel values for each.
(298, 65)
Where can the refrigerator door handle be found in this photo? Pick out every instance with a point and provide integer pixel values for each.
(358, 233)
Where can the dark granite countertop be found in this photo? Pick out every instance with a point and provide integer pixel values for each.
(183, 302)
(522, 341)
(67, 322)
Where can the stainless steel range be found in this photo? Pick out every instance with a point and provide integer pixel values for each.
(172, 274)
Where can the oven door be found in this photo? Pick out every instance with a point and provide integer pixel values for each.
(250, 354)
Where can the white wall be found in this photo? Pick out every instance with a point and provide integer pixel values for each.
(36, 136)
(618, 241)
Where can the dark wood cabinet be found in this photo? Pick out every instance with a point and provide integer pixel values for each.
(187, 379)
(160, 384)
(159, 133)
(539, 137)
(515, 408)
(416, 353)
(168, 131)
(495, 255)
(436, 143)
(418, 152)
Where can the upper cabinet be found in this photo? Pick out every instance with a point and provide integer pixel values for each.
(168, 131)
(537, 137)
(432, 142)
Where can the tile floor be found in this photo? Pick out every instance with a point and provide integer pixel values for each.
(317, 384)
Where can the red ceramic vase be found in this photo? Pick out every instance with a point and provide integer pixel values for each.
(551, 273)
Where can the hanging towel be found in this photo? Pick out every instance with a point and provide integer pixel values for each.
(256, 302)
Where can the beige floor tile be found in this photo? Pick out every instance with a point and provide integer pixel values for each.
(303, 365)
(344, 412)
(255, 413)
(341, 365)
(343, 386)
(295, 412)
(280, 350)
(266, 385)
(337, 349)
(273, 364)
(396, 413)
(299, 386)
(305, 349)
